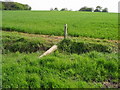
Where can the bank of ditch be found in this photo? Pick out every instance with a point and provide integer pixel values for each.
(78, 62)
(22, 42)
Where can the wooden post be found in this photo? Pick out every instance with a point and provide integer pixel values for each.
(52, 49)
(65, 31)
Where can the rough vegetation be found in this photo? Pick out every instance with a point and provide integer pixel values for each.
(14, 41)
(58, 70)
(74, 46)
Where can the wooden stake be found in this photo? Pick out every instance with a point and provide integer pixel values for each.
(52, 49)
(65, 31)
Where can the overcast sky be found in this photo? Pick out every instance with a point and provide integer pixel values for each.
(112, 5)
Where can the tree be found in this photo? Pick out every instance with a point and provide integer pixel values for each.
(83, 8)
(56, 9)
(105, 10)
(86, 9)
(15, 6)
(27, 7)
(98, 9)
(64, 9)
(89, 9)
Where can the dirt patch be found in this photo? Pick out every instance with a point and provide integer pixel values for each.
(111, 85)
(58, 38)
(45, 36)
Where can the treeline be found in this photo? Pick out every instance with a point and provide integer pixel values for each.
(14, 6)
(98, 9)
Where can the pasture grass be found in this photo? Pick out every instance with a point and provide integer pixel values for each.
(86, 24)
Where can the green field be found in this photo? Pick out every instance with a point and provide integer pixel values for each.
(86, 24)
(88, 58)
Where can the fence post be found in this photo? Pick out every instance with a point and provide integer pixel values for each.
(65, 31)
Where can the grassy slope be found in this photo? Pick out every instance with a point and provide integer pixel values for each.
(23, 42)
(97, 25)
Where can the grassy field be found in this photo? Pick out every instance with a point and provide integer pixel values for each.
(91, 70)
(87, 59)
(86, 24)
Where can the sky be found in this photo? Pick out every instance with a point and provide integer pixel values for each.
(112, 5)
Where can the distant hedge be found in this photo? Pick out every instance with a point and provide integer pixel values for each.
(14, 6)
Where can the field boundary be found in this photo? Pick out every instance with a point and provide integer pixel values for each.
(59, 37)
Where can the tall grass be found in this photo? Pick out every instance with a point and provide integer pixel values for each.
(79, 46)
(59, 70)
(87, 24)
(14, 41)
